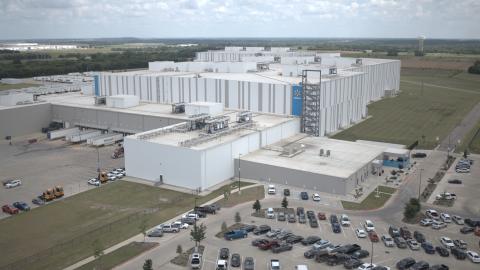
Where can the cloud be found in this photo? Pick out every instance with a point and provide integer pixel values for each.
(267, 17)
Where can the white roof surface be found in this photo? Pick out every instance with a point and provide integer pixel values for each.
(345, 159)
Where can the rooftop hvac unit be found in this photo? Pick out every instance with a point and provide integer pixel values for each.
(178, 107)
(100, 100)
(317, 59)
(208, 70)
(358, 61)
(328, 153)
(245, 116)
(332, 71)
(321, 152)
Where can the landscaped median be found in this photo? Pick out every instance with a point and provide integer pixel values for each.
(374, 200)
(62, 233)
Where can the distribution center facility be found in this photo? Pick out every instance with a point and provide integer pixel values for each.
(193, 124)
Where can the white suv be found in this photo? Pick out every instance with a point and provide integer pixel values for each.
(445, 217)
(271, 190)
(13, 183)
(344, 220)
(369, 227)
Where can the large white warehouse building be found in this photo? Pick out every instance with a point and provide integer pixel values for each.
(346, 86)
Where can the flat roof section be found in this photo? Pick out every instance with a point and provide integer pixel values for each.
(345, 159)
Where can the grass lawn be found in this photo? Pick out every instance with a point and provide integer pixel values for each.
(61, 233)
(433, 112)
(249, 194)
(6, 86)
(119, 256)
(371, 202)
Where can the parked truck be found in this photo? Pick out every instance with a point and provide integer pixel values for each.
(58, 191)
(48, 195)
(57, 134)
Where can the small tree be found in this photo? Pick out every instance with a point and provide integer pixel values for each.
(237, 217)
(179, 249)
(197, 233)
(148, 265)
(224, 226)
(257, 206)
(285, 202)
(98, 251)
(409, 211)
(143, 228)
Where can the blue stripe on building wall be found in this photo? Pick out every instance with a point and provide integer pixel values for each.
(297, 100)
(95, 85)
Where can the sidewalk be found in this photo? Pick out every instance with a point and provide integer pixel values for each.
(140, 237)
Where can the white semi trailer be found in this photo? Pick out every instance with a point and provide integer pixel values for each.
(57, 134)
(105, 139)
(85, 136)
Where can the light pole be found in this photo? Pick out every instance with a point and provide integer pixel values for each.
(371, 257)
(420, 183)
(239, 155)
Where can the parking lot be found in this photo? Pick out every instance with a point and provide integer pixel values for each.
(46, 164)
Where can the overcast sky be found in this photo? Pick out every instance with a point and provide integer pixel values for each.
(239, 18)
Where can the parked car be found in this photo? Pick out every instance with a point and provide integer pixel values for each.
(405, 263)
(168, 228)
(369, 225)
(155, 233)
(292, 218)
(286, 192)
(460, 244)
(405, 233)
(400, 242)
(447, 242)
(235, 234)
(437, 225)
(360, 254)
(9, 209)
(23, 206)
(433, 214)
(360, 233)
(262, 229)
(224, 253)
(300, 211)
(310, 240)
(316, 197)
(333, 219)
(458, 219)
(394, 231)
(419, 236)
(321, 244)
(13, 183)
(310, 214)
(271, 190)
(189, 221)
(336, 228)
(259, 241)
(473, 256)
(302, 219)
(272, 233)
(321, 216)
(38, 200)
(94, 182)
(281, 216)
(269, 213)
(282, 247)
(442, 251)
(445, 217)
(209, 209)
(336, 259)
(196, 261)
(388, 240)
(439, 267)
(309, 254)
(428, 247)
(179, 224)
(313, 223)
(366, 266)
(420, 265)
(274, 264)
(466, 229)
(235, 260)
(294, 239)
(352, 263)
(268, 244)
(373, 236)
(446, 196)
(413, 244)
(249, 263)
(248, 228)
(455, 181)
(426, 222)
(419, 155)
(221, 264)
(458, 253)
(304, 195)
(344, 220)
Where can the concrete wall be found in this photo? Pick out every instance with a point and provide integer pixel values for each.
(23, 120)
(106, 119)
(280, 175)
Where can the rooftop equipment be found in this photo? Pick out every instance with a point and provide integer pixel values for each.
(244, 116)
(100, 100)
(332, 71)
(215, 124)
(178, 107)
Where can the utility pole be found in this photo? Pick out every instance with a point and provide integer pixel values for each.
(420, 183)
(371, 257)
(239, 155)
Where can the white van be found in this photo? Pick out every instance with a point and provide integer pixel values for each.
(271, 190)
(270, 213)
(301, 267)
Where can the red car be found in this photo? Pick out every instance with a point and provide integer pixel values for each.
(373, 236)
(268, 245)
(322, 216)
(9, 209)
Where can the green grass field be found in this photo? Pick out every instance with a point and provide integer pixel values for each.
(5, 86)
(371, 201)
(61, 233)
(119, 256)
(447, 96)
